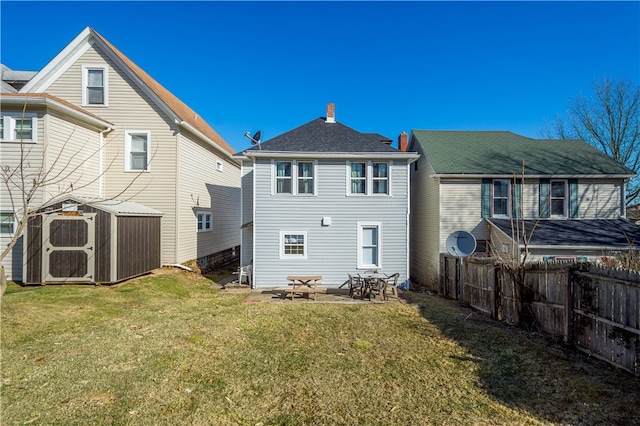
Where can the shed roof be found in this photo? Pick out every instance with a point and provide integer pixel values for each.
(502, 153)
(617, 234)
(117, 207)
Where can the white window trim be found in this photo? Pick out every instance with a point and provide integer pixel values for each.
(85, 79)
(294, 178)
(294, 256)
(361, 226)
(565, 207)
(10, 126)
(206, 214)
(219, 165)
(13, 230)
(369, 179)
(493, 205)
(127, 150)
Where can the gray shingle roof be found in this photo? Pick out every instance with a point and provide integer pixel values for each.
(502, 152)
(320, 136)
(607, 233)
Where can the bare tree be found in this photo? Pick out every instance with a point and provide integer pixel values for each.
(30, 184)
(610, 121)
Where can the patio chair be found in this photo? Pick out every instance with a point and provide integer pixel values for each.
(391, 283)
(355, 284)
(244, 274)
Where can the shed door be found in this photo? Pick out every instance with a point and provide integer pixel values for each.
(68, 248)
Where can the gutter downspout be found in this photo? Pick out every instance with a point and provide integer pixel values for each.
(101, 170)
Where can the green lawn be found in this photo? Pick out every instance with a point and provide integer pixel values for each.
(171, 349)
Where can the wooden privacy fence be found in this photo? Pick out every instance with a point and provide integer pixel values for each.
(595, 309)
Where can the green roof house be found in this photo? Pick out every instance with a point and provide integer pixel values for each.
(569, 195)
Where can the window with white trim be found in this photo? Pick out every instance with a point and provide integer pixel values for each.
(293, 244)
(295, 177)
(369, 245)
(219, 165)
(368, 178)
(137, 149)
(7, 223)
(94, 85)
(558, 198)
(205, 221)
(501, 198)
(18, 127)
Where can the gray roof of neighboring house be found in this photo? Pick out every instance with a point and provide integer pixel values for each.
(11, 78)
(320, 136)
(606, 233)
(502, 153)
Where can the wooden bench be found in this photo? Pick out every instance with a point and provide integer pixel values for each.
(303, 284)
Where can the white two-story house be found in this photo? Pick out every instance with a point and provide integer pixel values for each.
(324, 199)
(110, 131)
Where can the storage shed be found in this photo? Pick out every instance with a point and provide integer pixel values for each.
(83, 240)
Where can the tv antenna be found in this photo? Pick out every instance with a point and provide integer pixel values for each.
(255, 139)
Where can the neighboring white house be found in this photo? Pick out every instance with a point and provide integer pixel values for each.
(473, 181)
(94, 111)
(324, 199)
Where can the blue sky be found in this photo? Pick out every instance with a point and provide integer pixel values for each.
(388, 66)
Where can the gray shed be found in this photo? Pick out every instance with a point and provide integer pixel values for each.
(88, 240)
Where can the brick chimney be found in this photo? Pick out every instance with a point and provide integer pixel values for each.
(403, 142)
(331, 113)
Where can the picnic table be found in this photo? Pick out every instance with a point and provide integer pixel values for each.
(303, 284)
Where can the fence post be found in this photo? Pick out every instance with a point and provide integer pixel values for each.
(568, 307)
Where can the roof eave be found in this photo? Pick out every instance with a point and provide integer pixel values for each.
(53, 104)
(211, 142)
(412, 156)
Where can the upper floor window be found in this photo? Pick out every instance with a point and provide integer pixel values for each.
(137, 149)
(500, 198)
(94, 85)
(558, 198)
(366, 178)
(294, 177)
(18, 127)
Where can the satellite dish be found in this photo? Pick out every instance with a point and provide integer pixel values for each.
(255, 139)
(461, 244)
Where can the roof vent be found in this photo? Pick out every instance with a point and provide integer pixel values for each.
(331, 113)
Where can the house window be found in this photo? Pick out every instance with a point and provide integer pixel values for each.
(380, 178)
(302, 181)
(368, 178)
(7, 223)
(219, 165)
(205, 221)
(369, 246)
(558, 198)
(18, 127)
(305, 177)
(500, 198)
(293, 244)
(137, 148)
(94, 85)
(358, 178)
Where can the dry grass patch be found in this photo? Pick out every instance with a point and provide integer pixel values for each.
(172, 349)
